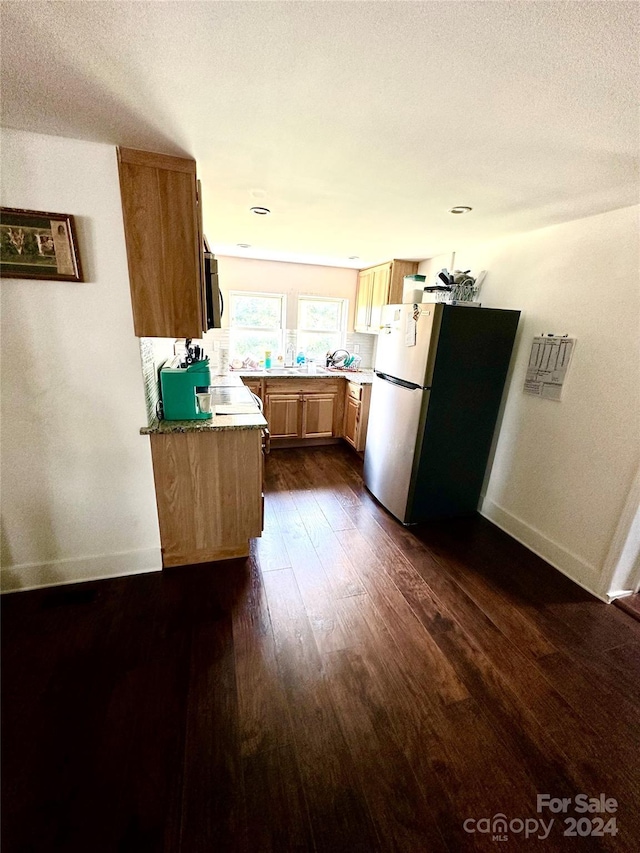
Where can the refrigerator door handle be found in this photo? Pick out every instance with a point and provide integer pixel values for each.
(401, 382)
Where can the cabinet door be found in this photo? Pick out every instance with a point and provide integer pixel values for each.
(351, 418)
(363, 417)
(284, 416)
(162, 235)
(363, 301)
(317, 415)
(379, 295)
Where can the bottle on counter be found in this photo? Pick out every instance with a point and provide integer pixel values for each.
(290, 355)
(267, 359)
(300, 359)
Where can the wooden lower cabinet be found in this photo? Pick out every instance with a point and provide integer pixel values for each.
(208, 492)
(318, 415)
(356, 414)
(301, 415)
(351, 418)
(284, 415)
(304, 409)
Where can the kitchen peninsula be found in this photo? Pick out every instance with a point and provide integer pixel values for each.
(209, 483)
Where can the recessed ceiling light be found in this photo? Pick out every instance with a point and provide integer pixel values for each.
(461, 208)
(260, 211)
(244, 245)
(354, 258)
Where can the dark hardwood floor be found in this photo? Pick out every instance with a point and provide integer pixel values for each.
(630, 605)
(353, 685)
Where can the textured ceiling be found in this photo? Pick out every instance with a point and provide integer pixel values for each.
(360, 123)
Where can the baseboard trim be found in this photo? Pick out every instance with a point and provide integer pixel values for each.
(28, 576)
(560, 558)
(616, 594)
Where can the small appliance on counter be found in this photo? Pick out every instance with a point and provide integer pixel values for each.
(182, 379)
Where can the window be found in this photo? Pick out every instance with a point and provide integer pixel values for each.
(322, 324)
(257, 324)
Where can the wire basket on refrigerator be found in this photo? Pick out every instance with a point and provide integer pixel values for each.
(464, 292)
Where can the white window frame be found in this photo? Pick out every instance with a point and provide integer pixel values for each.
(233, 294)
(344, 315)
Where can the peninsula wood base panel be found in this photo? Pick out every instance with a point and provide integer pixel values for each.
(209, 494)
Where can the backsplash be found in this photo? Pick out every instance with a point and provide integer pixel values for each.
(153, 353)
(210, 339)
(366, 344)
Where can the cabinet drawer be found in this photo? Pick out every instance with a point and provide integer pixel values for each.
(354, 389)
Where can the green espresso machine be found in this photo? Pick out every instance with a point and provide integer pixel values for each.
(179, 384)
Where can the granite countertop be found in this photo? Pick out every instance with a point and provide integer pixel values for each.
(217, 422)
(363, 377)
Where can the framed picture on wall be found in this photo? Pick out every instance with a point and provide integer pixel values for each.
(35, 244)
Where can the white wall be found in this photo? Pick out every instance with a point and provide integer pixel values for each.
(77, 484)
(563, 471)
(290, 279)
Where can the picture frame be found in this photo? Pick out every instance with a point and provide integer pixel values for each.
(37, 244)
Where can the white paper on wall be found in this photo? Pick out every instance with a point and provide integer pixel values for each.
(549, 362)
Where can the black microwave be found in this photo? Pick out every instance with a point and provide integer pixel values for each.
(214, 303)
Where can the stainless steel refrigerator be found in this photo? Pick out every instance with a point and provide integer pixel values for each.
(438, 382)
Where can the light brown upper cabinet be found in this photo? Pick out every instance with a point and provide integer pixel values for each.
(163, 233)
(379, 286)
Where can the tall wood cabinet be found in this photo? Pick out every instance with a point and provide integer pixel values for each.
(379, 286)
(163, 233)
